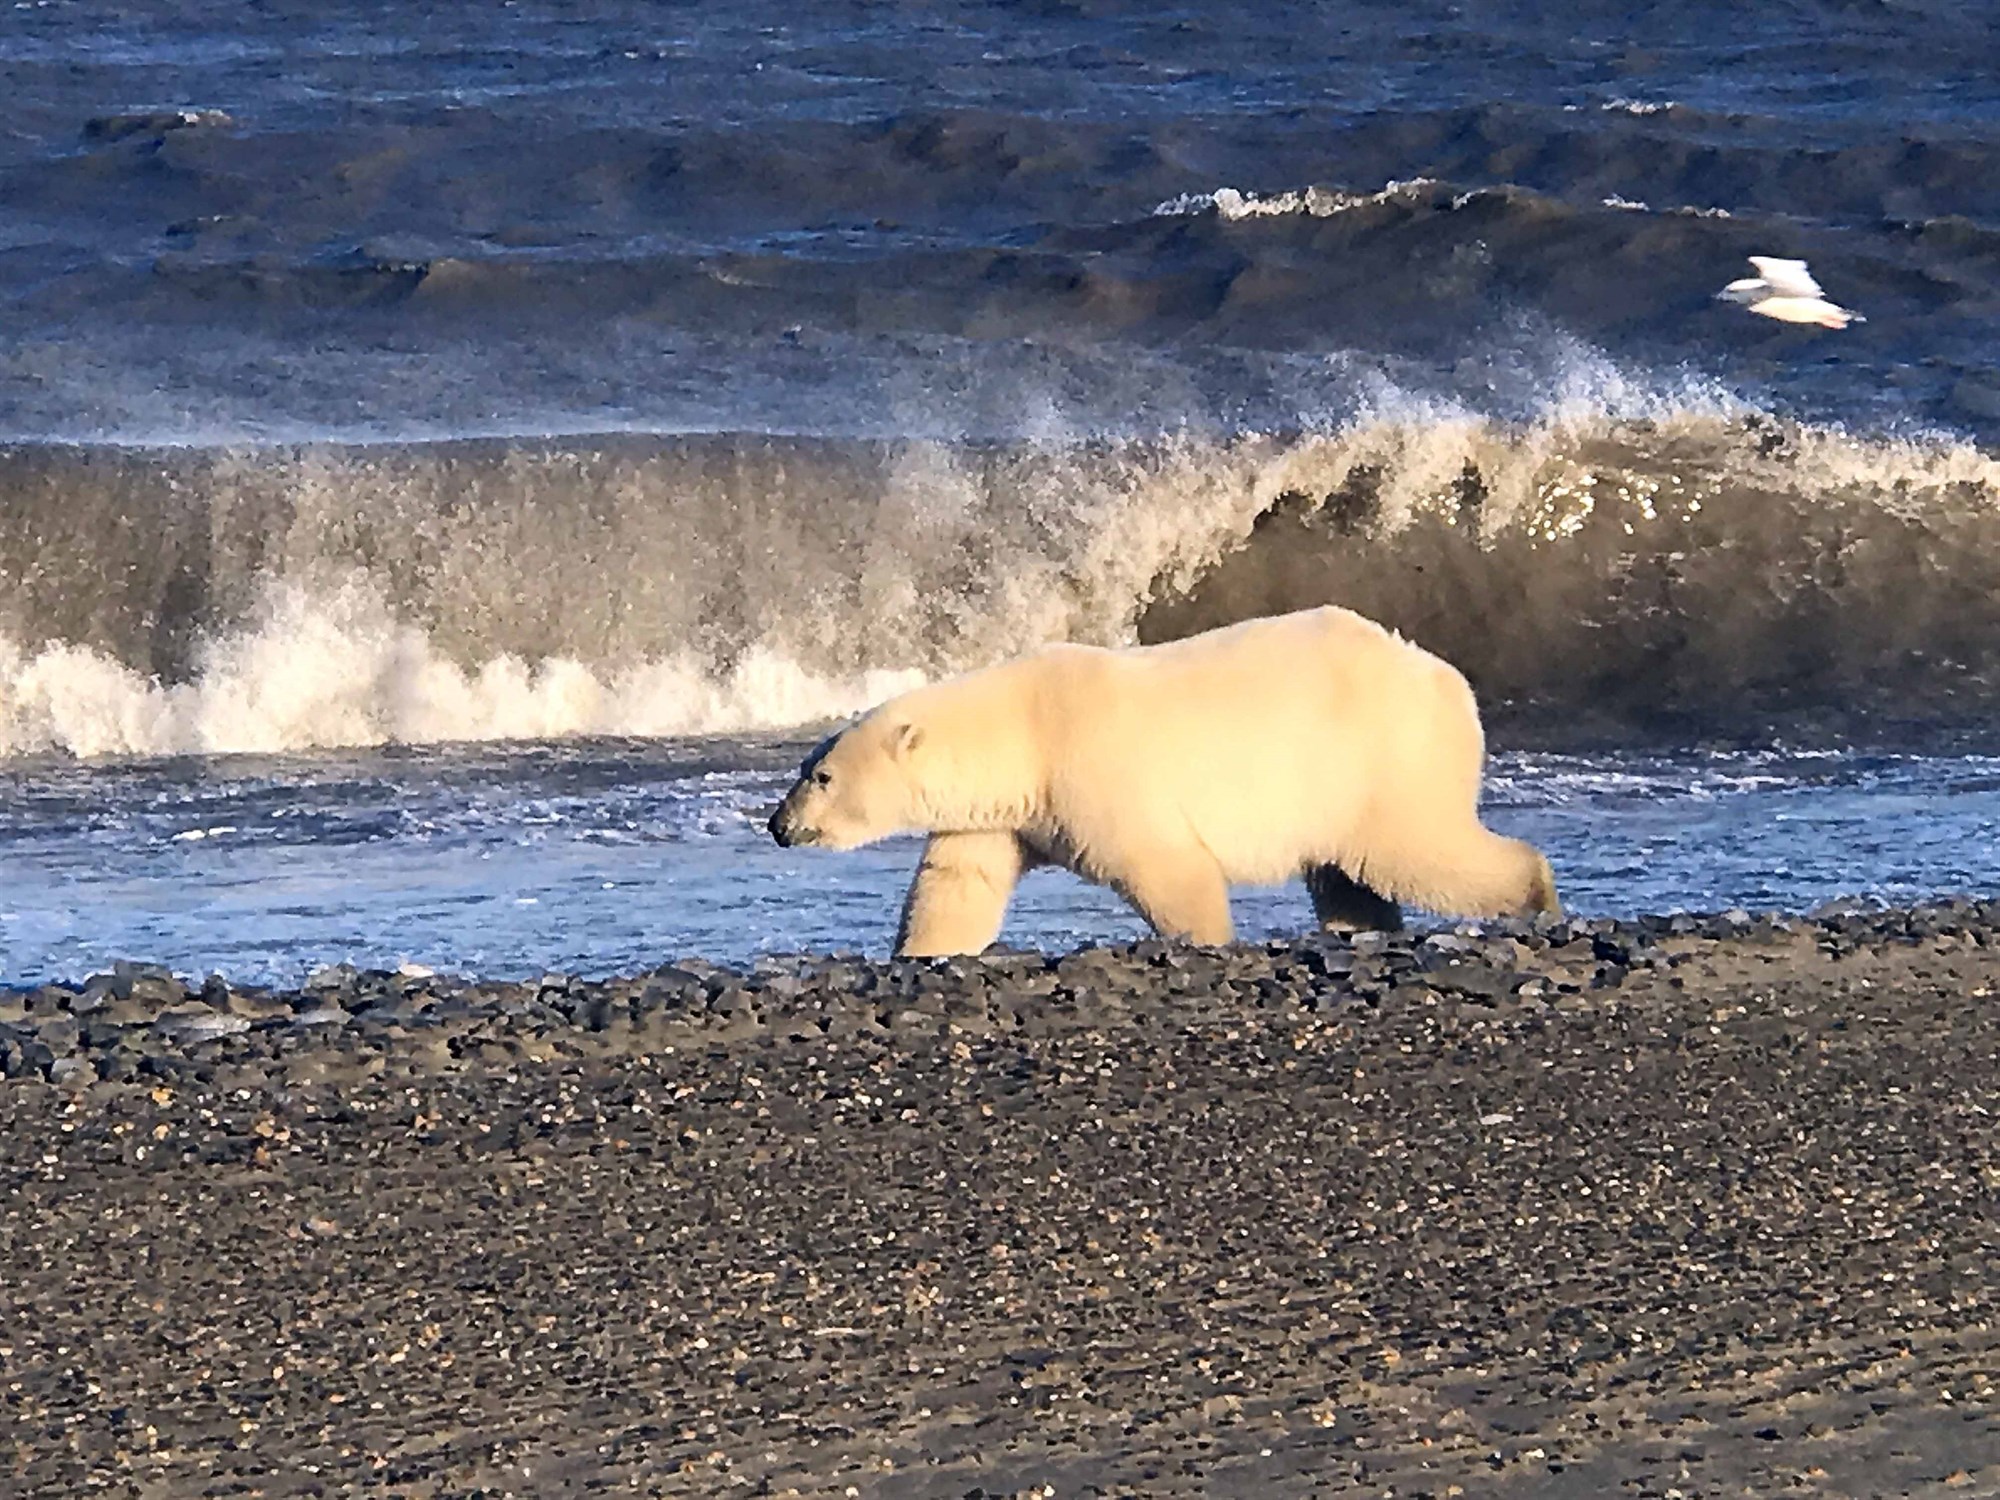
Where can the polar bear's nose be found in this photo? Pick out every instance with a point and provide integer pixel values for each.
(783, 830)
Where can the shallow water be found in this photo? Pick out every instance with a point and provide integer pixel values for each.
(600, 858)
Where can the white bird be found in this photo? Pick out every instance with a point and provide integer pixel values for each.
(1785, 290)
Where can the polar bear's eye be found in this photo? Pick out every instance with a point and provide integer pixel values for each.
(822, 778)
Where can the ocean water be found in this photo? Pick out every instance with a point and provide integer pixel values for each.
(449, 463)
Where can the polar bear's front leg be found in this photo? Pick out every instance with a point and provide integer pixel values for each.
(1181, 893)
(1344, 904)
(959, 898)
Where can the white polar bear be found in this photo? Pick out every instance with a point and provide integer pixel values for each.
(1315, 744)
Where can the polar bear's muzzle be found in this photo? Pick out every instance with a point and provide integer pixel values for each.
(787, 826)
(788, 830)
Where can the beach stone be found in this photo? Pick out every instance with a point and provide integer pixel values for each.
(26, 1057)
(1476, 981)
(129, 1012)
(336, 979)
(257, 1005)
(60, 1033)
(117, 1065)
(71, 1072)
(322, 1013)
(202, 1025)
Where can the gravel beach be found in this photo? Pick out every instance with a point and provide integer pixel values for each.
(1697, 1206)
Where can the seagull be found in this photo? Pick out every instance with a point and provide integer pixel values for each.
(1785, 290)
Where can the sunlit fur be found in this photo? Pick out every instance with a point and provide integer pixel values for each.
(1248, 755)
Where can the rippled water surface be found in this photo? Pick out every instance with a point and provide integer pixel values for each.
(602, 858)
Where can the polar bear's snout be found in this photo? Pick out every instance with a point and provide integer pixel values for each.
(790, 825)
(785, 825)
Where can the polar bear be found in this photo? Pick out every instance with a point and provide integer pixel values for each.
(1315, 744)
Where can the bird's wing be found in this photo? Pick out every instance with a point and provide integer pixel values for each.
(1787, 278)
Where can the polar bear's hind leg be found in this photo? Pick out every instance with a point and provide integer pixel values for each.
(1473, 873)
(1343, 904)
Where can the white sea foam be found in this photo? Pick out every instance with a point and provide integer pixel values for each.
(1315, 202)
(323, 670)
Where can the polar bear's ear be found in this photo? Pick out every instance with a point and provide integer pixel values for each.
(904, 738)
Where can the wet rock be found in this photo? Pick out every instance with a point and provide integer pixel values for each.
(190, 1025)
(332, 979)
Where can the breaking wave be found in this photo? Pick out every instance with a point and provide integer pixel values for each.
(1623, 554)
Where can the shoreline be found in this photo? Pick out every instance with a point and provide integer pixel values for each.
(138, 1020)
(1684, 1204)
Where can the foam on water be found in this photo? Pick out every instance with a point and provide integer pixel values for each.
(337, 669)
(1316, 201)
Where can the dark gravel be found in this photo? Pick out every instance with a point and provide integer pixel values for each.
(1691, 1206)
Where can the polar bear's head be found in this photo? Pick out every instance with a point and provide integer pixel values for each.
(855, 788)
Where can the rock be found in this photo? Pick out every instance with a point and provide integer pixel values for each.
(26, 1057)
(200, 1025)
(324, 1013)
(334, 979)
(257, 1005)
(72, 1072)
(58, 1033)
(127, 1012)
(1476, 981)
(148, 987)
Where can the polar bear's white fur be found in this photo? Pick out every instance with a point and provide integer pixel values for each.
(1315, 744)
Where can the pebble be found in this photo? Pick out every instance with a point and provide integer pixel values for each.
(139, 1017)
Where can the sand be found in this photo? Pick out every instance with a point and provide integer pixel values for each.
(1692, 1208)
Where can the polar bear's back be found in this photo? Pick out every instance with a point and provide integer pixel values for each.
(1274, 741)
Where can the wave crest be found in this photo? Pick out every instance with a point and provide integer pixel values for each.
(1629, 549)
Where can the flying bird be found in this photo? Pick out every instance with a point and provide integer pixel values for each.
(1785, 290)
